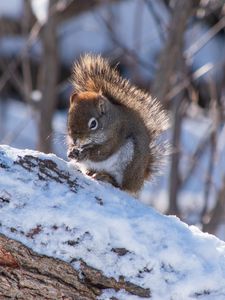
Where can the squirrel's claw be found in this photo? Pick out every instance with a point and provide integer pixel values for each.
(104, 177)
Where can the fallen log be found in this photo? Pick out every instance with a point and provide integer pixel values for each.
(64, 235)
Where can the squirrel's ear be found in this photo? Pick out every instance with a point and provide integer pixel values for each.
(103, 105)
(72, 98)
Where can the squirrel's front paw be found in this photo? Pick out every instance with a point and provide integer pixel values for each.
(104, 177)
(77, 154)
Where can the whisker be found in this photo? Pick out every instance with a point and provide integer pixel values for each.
(59, 137)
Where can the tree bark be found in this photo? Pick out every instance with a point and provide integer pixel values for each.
(49, 79)
(26, 275)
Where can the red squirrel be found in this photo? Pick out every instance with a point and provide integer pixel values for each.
(113, 126)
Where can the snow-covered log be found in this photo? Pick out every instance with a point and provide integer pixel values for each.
(66, 236)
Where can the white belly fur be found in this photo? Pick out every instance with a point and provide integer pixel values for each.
(114, 165)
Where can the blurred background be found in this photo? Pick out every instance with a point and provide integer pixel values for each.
(173, 48)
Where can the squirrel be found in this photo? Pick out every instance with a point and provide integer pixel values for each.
(113, 126)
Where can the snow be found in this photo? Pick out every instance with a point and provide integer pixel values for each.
(36, 95)
(92, 219)
(40, 9)
(121, 295)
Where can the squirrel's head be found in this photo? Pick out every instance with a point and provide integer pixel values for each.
(89, 119)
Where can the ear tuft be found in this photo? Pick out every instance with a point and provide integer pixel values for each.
(73, 98)
(103, 104)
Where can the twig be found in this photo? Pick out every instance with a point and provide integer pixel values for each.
(34, 32)
(157, 19)
(137, 32)
(205, 38)
(174, 184)
(213, 147)
(182, 85)
(208, 182)
(173, 48)
(13, 135)
(195, 158)
(15, 79)
(217, 213)
(132, 53)
(13, 65)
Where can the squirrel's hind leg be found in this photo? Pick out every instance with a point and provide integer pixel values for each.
(102, 176)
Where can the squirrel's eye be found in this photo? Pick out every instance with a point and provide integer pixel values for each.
(92, 123)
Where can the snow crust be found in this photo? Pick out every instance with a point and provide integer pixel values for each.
(110, 231)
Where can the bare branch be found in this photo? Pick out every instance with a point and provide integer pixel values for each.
(126, 50)
(205, 38)
(193, 163)
(217, 215)
(158, 21)
(173, 48)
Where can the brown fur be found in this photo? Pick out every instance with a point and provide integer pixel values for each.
(123, 112)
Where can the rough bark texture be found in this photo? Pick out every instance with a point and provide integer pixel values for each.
(27, 275)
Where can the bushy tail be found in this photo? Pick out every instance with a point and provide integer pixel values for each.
(93, 73)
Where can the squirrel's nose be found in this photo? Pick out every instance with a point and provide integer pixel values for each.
(74, 153)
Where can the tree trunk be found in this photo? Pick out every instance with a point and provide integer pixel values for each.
(49, 78)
